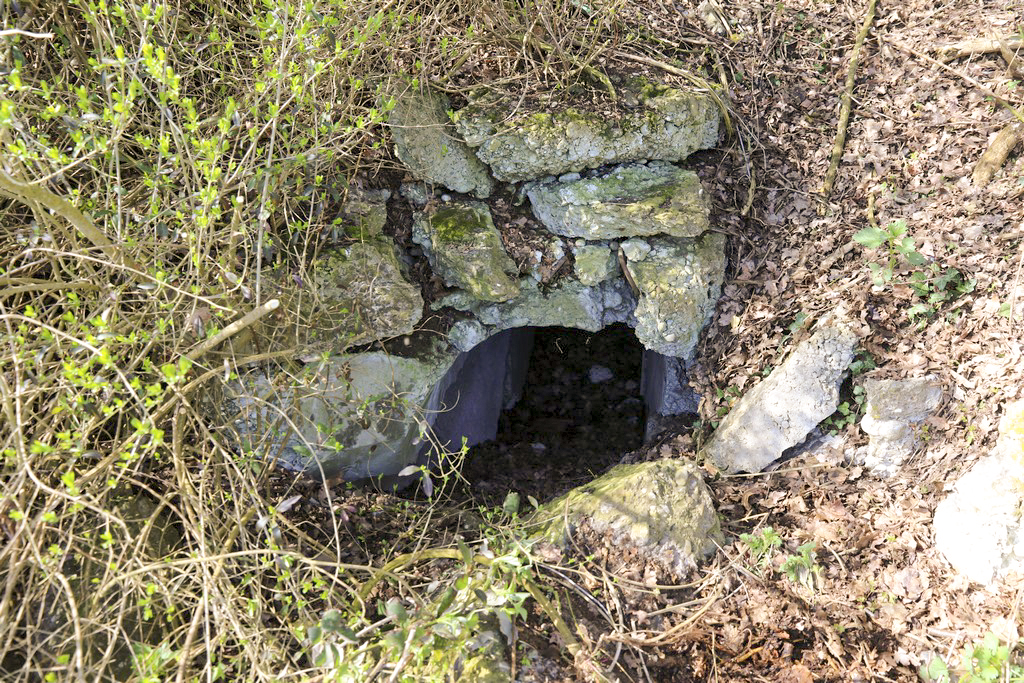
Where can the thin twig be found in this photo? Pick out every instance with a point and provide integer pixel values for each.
(232, 329)
(28, 34)
(30, 194)
(847, 101)
(972, 47)
(984, 91)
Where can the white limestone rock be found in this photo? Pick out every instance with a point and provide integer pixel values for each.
(978, 527)
(893, 411)
(680, 281)
(669, 124)
(656, 198)
(465, 249)
(363, 296)
(663, 508)
(428, 144)
(782, 410)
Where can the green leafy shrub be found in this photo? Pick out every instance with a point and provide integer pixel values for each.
(166, 170)
(762, 546)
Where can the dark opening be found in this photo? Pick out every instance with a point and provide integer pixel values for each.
(581, 409)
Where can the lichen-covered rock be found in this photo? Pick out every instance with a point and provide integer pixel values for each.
(569, 304)
(427, 143)
(893, 410)
(353, 416)
(680, 281)
(978, 527)
(465, 249)
(656, 198)
(595, 263)
(663, 508)
(669, 124)
(364, 213)
(780, 411)
(361, 296)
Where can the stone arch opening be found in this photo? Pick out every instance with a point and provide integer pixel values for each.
(579, 409)
(545, 409)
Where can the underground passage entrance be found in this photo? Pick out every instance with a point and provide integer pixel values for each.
(579, 410)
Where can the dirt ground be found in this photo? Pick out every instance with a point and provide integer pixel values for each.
(875, 601)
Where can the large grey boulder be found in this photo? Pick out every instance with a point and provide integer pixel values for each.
(668, 124)
(360, 295)
(680, 281)
(351, 416)
(656, 198)
(780, 411)
(978, 527)
(663, 508)
(367, 414)
(465, 249)
(428, 144)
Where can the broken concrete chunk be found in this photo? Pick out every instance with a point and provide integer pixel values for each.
(353, 416)
(361, 296)
(663, 508)
(894, 408)
(656, 198)
(428, 144)
(465, 249)
(680, 281)
(367, 414)
(978, 527)
(669, 124)
(780, 411)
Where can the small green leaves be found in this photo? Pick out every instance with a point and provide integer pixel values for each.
(511, 504)
(872, 238)
(762, 546)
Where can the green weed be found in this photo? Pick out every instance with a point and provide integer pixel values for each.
(984, 662)
(932, 284)
(803, 568)
(762, 546)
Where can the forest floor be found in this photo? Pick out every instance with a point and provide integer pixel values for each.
(875, 600)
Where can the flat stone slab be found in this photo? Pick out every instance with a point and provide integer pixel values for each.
(362, 296)
(782, 410)
(663, 508)
(426, 142)
(656, 198)
(680, 281)
(465, 249)
(669, 124)
(569, 304)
